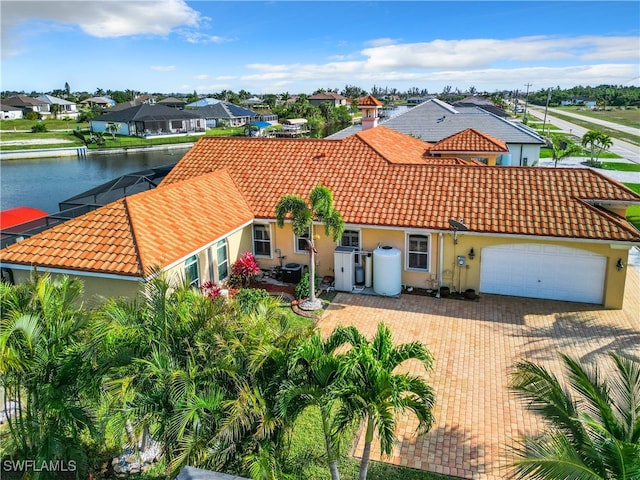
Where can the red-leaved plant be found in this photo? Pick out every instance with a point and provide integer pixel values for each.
(245, 269)
(210, 290)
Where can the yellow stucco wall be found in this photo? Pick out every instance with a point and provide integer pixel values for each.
(457, 278)
(95, 288)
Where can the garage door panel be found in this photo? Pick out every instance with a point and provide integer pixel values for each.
(543, 271)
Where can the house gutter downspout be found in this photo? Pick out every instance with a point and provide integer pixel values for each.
(441, 235)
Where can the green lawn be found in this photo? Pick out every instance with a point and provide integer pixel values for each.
(546, 153)
(51, 139)
(58, 124)
(627, 137)
(621, 166)
(629, 117)
(307, 457)
(633, 212)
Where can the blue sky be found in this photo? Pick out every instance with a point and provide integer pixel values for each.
(170, 46)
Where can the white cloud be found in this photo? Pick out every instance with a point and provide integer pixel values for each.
(474, 53)
(197, 37)
(106, 18)
(381, 42)
(163, 68)
(102, 19)
(485, 63)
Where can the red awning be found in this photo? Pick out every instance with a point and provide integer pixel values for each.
(18, 215)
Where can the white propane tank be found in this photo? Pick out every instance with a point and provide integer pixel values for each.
(387, 271)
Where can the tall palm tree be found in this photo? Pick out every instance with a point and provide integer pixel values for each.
(45, 342)
(594, 423)
(372, 393)
(314, 375)
(320, 208)
(594, 139)
(147, 355)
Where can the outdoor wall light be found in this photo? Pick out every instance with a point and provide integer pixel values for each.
(471, 254)
(619, 265)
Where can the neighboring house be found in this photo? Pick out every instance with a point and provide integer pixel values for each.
(228, 114)
(65, 107)
(434, 120)
(481, 102)
(148, 120)
(544, 233)
(102, 102)
(27, 104)
(7, 112)
(172, 102)
(472, 145)
(203, 102)
(139, 100)
(580, 101)
(335, 99)
(145, 98)
(418, 100)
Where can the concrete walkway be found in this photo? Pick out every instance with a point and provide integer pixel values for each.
(475, 344)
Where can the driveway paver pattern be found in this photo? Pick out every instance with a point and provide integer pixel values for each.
(475, 345)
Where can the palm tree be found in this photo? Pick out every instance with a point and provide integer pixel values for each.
(374, 394)
(594, 422)
(46, 371)
(561, 148)
(314, 375)
(320, 208)
(147, 357)
(594, 139)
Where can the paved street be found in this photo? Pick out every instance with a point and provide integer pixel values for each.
(475, 344)
(624, 149)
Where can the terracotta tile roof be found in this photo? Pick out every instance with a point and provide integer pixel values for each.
(371, 189)
(469, 141)
(132, 235)
(99, 241)
(369, 101)
(223, 183)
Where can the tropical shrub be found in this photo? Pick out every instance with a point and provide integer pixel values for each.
(303, 287)
(46, 374)
(247, 299)
(210, 290)
(39, 128)
(593, 421)
(244, 270)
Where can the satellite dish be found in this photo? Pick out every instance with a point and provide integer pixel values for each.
(457, 225)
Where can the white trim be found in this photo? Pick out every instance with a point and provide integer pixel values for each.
(82, 273)
(295, 243)
(253, 240)
(407, 268)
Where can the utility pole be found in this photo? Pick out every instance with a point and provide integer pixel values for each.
(546, 107)
(526, 100)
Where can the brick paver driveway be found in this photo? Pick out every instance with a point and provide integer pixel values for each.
(474, 344)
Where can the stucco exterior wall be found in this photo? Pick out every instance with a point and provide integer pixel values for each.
(450, 274)
(95, 288)
(469, 276)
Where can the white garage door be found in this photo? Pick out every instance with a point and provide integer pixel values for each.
(543, 271)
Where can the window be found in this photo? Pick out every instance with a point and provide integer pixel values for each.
(301, 242)
(261, 240)
(351, 238)
(222, 260)
(417, 252)
(191, 271)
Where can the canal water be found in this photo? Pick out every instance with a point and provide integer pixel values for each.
(44, 182)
